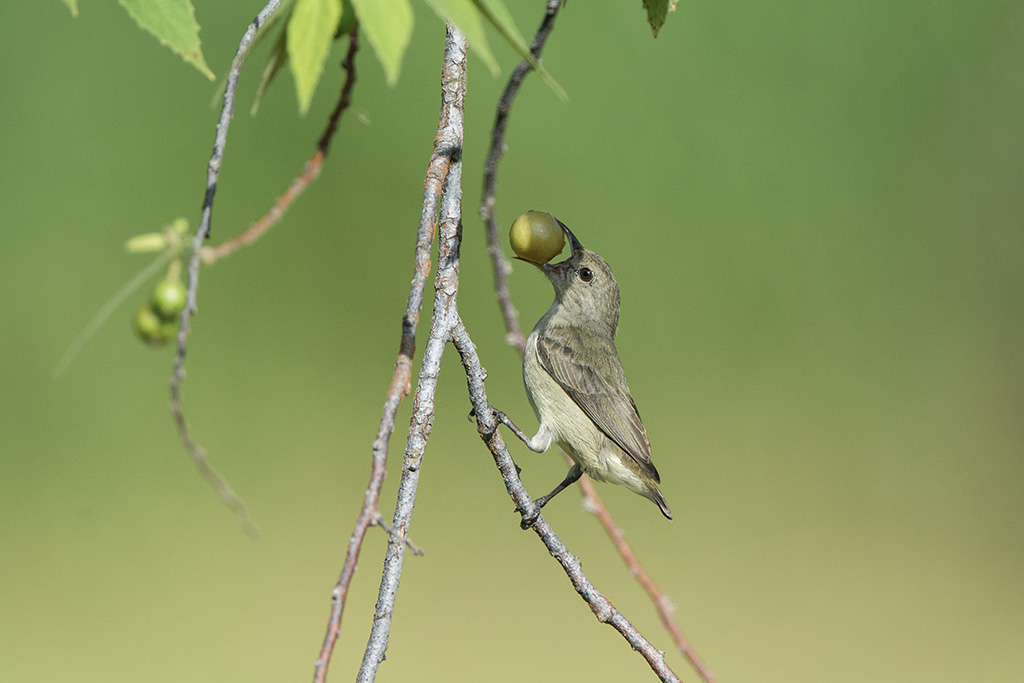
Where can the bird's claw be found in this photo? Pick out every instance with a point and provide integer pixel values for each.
(528, 520)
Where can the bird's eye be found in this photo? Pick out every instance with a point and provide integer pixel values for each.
(586, 274)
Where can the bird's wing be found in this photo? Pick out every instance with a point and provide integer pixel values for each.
(602, 394)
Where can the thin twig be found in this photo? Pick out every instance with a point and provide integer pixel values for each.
(349, 65)
(310, 172)
(604, 610)
(104, 313)
(448, 143)
(437, 172)
(514, 335)
(662, 603)
(502, 268)
(212, 172)
(368, 515)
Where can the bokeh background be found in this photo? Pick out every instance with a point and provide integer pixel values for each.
(814, 211)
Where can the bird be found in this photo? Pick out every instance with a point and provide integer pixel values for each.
(576, 385)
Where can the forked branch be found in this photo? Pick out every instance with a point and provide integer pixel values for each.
(437, 172)
(446, 326)
(310, 173)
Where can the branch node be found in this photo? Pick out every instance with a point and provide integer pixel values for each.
(413, 548)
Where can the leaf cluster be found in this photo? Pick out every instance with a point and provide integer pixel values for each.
(310, 26)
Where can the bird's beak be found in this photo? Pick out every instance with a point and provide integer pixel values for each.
(574, 244)
(575, 251)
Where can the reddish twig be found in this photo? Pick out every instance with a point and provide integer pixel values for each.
(310, 172)
(515, 337)
(661, 602)
(369, 515)
(349, 65)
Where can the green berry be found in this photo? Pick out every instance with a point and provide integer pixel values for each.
(153, 329)
(169, 299)
(536, 236)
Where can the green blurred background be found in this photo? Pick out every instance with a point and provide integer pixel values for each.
(815, 213)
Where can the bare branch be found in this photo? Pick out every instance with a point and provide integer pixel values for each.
(310, 173)
(447, 144)
(413, 548)
(487, 425)
(212, 172)
(502, 268)
(514, 335)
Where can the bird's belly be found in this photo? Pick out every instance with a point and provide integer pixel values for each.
(568, 424)
(610, 464)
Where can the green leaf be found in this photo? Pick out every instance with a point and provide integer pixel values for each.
(73, 6)
(465, 15)
(310, 32)
(388, 27)
(496, 13)
(657, 12)
(173, 22)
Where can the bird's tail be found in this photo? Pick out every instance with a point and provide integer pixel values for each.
(654, 494)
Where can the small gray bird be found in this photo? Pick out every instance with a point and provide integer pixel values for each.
(576, 385)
